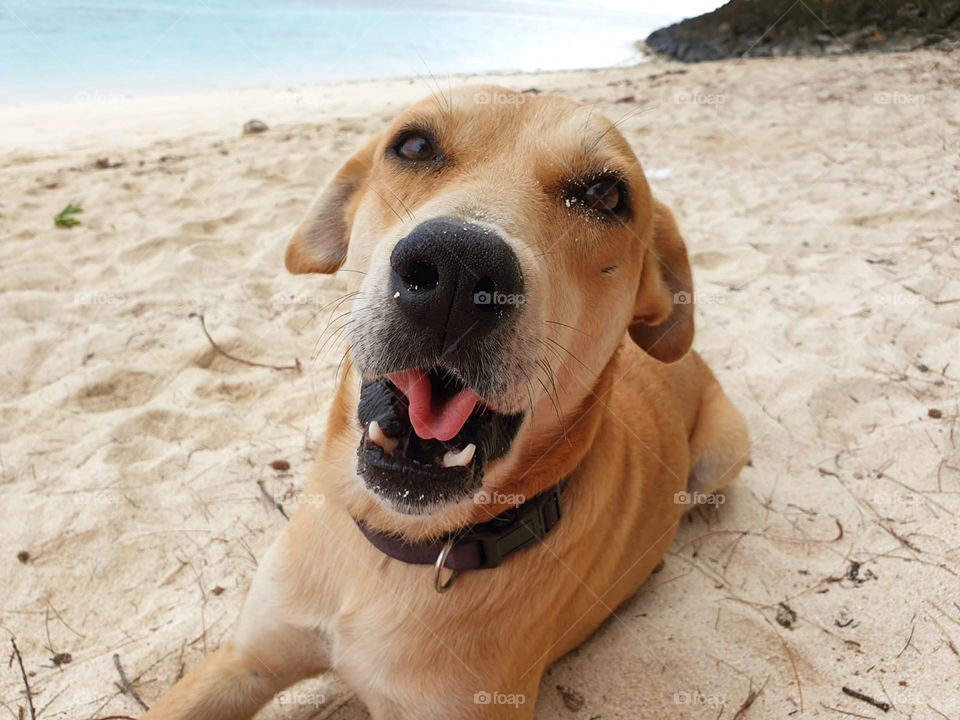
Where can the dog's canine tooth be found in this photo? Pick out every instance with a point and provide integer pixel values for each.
(459, 459)
(380, 438)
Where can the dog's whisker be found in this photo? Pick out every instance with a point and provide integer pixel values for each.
(328, 336)
(321, 309)
(559, 345)
(557, 322)
(555, 396)
(389, 206)
(336, 375)
(332, 306)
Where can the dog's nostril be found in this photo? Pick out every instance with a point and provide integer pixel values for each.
(422, 276)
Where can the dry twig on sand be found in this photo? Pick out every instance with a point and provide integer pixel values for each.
(751, 697)
(203, 324)
(26, 684)
(865, 698)
(127, 685)
(273, 501)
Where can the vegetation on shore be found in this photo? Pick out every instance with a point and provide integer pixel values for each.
(764, 28)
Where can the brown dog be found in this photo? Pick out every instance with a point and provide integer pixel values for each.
(519, 334)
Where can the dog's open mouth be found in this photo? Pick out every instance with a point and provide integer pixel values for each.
(427, 438)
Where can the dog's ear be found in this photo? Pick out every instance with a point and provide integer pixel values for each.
(663, 313)
(320, 243)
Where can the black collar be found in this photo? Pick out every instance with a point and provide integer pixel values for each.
(484, 545)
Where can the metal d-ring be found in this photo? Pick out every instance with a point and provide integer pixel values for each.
(441, 586)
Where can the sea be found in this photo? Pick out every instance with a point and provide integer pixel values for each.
(53, 50)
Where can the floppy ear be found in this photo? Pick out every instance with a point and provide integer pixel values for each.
(663, 313)
(320, 243)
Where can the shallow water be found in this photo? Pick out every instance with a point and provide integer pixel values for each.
(59, 50)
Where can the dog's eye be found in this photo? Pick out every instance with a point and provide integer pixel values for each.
(604, 195)
(416, 147)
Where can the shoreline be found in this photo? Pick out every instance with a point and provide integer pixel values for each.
(36, 128)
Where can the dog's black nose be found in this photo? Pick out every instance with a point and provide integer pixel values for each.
(454, 279)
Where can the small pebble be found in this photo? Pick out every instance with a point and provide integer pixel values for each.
(61, 659)
(571, 698)
(786, 617)
(251, 127)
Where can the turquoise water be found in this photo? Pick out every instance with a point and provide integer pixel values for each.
(57, 50)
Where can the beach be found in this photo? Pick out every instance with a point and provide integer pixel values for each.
(819, 201)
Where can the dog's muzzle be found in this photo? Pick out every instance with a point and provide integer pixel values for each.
(429, 428)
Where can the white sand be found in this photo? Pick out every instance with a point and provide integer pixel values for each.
(823, 228)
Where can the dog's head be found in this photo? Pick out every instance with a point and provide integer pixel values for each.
(501, 245)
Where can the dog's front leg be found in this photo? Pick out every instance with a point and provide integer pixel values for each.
(232, 683)
(267, 652)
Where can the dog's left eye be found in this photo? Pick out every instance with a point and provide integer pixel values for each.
(416, 147)
(603, 195)
(606, 195)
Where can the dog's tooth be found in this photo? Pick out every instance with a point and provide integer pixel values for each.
(459, 459)
(379, 437)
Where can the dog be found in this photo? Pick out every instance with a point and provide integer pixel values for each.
(519, 419)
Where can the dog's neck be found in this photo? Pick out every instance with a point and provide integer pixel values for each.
(554, 456)
(546, 460)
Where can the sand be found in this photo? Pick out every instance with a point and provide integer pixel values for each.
(819, 200)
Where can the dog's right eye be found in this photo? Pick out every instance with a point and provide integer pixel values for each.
(416, 148)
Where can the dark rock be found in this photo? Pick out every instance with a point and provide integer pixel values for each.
(571, 698)
(765, 28)
(252, 127)
(62, 659)
(786, 617)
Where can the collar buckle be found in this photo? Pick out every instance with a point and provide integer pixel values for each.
(516, 529)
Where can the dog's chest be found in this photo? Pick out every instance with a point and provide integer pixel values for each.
(400, 646)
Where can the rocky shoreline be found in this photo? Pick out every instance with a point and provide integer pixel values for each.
(769, 28)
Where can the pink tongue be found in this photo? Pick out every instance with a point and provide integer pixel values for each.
(433, 417)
